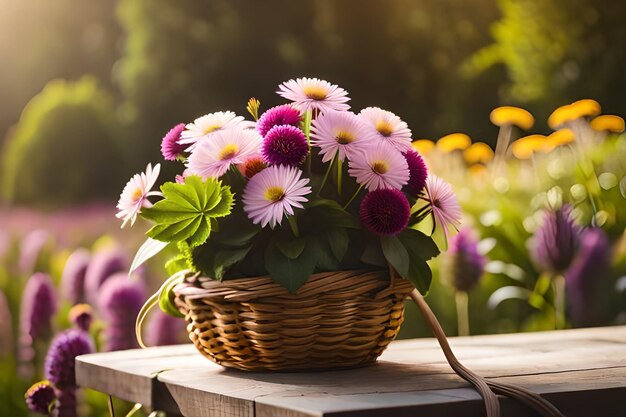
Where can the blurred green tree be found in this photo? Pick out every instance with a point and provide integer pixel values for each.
(64, 150)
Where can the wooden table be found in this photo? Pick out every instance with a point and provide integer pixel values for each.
(583, 372)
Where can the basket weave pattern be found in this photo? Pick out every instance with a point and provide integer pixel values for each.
(336, 319)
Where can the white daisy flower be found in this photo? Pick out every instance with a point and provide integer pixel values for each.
(314, 94)
(135, 194)
(388, 127)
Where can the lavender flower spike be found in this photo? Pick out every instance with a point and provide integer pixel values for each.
(103, 264)
(120, 301)
(73, 279)
(556, 240)
(463, 266)
(164, 329)
(6, 328)
(587, 281)
(39, 304)
(31, 248)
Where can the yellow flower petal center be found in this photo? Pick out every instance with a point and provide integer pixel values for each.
(315, 92)
(137, 194)
(343, 137)
(211, 128)
(380, 167)
(384, 128)
(274, 194)
(228, 151)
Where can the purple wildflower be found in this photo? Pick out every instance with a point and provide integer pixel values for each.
(120, 301)
(73, 278)
(31, 248)
(284, 145)
(418, 172)
(60, 367)
(6, 327)
(276, 116)
(463, 266)
(385, 211)
(170, 148)
(164, 329)
(81, 315)
(103, 264)
(556, 240)
(587, 280)
(40, 397)
(39, 304)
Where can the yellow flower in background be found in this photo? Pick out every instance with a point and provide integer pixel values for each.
(559, 138)
(525, 147)
(608, 123)
(574, 111)
(477, 169)
(423, 146)
(478, 152)
(453, 142)
(509, 115)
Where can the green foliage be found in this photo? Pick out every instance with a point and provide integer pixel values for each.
(187, 210)
(64, 149)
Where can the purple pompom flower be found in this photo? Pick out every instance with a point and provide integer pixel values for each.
(587, 281)
(39, 397)
(60, 367)
(39, 304)
(170, 148)
(276, 116)
(164, 329)
(385, 211)
(418, 172)
(81, 315)
(103, 264)
(6, 327)
(556, 240)
(120, 301)
(31, 248)
(73, 278)
(285, 145)
(463, 266)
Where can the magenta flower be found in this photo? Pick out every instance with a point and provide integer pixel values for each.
(385, 211)
(556, 241)
(164, 330)
(120, 301)
(40, 397)
(60, 367)
(463, 266)
(212, 158)
(274, 192)
(340, 133)
(388, 127)
(444, 205)
(418, 172)
(314, 94)
(170, 148)
(277, 116)
(379, 166)
(285, 145)
(103, 265)
(135, 195)
(73, 278)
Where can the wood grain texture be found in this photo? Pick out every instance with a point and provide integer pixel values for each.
(573, 368)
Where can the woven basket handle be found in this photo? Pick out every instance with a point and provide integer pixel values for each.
(487, 389)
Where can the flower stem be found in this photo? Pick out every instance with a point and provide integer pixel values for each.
(307, 134)
(330, 166)
(462, 313)
(294, 225)
(558, 286)
(339, 173)
(353, 196)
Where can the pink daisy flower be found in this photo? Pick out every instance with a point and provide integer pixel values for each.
(314, 94)
(379, 166)
(135, 194)
(388, 127)
(443, 203)
(170, 148)
(274, 192)
(212, 158)
(340, 131)
(209, 124)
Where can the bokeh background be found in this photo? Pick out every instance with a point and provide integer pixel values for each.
(88, 89)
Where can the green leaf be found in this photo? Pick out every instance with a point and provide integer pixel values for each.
(167, 297)
(290, 273)
(201, 234)
(322, 254)
(227, 258)
(174, 232)
(418, 244)
(291, 248)
(396, 254)
(373, 254)
(338, 240)
(181, 194)
(176, 264)
(420, 275)
(224, 206)
(238, 237)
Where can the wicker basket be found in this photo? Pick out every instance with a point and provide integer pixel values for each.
(336, 320)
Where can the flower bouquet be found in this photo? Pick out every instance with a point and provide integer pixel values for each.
(299, 234)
